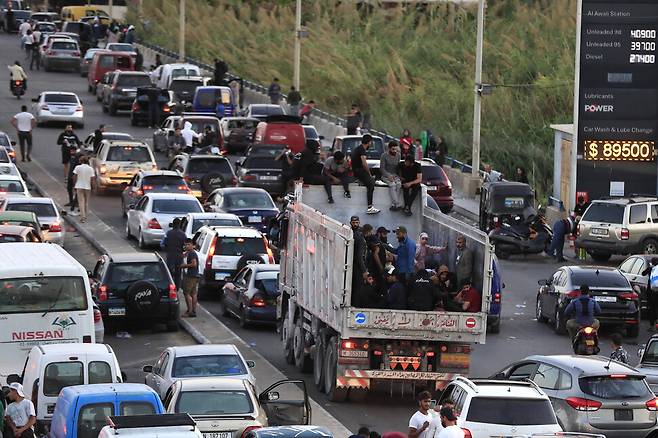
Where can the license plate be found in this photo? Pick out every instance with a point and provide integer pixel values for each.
(432, 188)
(604, 299)
(599, 232)
(221, 275)
(354, 353)
(623, 415)
(268, 178)
(217, 435)
(253, 219)
(116, 311)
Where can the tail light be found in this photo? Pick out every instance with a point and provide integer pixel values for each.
(270, 254)
(625, 234)
(429, 354)
(55, 227)
(377, 352)
(257, 301)
(352, 344)
(652, 404)
(183, 188)
(630, 296)
(147, 187)
(102, 292)
(153, 224)
(234, 181)
(166, 109)
(45, 107)
(211, 254)
(573, 293)
(76, 54)
(135, 107)
(173, 293)
(583, 404)
(78, 108)
(103, 169)
(497, 298)
(12, 154)
(467, 433)
(249, 429)
(97, 316)
(248, 177)
(139, 192)
(588, 330)
(17, 83)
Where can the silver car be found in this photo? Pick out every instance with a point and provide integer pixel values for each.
(62, 54)
(151, 218)
(592, 394)
(52, 225)
(58, 106)
(85, 61)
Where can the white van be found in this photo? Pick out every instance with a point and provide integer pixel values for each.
(162, 76)
(44, 299)
(149, 426)
(49, 368)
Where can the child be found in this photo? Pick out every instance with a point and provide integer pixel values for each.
(618, 352)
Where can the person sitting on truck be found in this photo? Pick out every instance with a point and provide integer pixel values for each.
(20, 416)
(468, 297)
(425, 251)
(335, 172)
(405, 252)
(388, 167)
(396, 298)
(369, 295)
(411, 176)
(422, 296)
(445, 294)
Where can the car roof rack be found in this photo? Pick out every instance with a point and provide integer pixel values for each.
(524, 382)
(160, 420)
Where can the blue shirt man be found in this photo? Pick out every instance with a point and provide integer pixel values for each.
(585, 308)
(405, 252)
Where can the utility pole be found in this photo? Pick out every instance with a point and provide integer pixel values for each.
(181, 31)
(111, 7)
(298, 45)
(477, 107)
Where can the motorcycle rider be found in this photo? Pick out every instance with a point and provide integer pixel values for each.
(584, 307)
(17, 73)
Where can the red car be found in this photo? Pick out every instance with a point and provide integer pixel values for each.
(438, 185)
(281, 129)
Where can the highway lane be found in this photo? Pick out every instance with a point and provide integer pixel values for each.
(520, 335)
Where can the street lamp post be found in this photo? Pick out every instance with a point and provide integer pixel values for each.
(477, 107)
(111, 8)
(181, 31)
(298, 45)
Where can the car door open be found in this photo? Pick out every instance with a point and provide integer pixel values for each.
(286, 403)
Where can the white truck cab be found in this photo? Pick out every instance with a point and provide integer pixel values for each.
(149, 426)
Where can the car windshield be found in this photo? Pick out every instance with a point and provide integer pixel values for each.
(60, 98)
(270, 150)
(128, 153)
(198, 125)
(184, 71)
(207, 366)
(64, 45)
(10, 238)
(122, 273)
(374, 152)
(311, 132)
(40, 209)
(511, 411)
(4, 140)
(198, 223)
(433, 173)
(261, 162)
(119, 47)
(46, 27)
(210, 98)
(4, 157)
(248, 200)
(206, 165)
(604, 212)
(133, 80)
(214, 403)
(266, 110)
(156, 182)
(239, 246)
(615, 387)
(182, 86)
(40, 294)
(248, 124)
(62, 374)
(599, 278)
(117, 136)
(11, 186)
(90, 54)
(651, 352)
(175, 206)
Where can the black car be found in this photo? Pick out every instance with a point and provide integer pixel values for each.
(204, 173)
(261, 171)
(123, 89)
(140, 112)
(620, 304)
(135, 286)
(85, 33)
(290, 432)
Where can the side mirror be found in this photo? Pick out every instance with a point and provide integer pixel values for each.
(640, 351)
(13, 143)
(131, 207)
(543, 282)
(251, 363)
(148, 368)
(321, 137)
(13, 378)
(63, 213)
(272, 396)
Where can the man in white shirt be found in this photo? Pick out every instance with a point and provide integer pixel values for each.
(449, 420)
(23, 28)
(84, 178)
(24, 123)
(35, 58)
(20, 415)
(419, 422)
(436, 425)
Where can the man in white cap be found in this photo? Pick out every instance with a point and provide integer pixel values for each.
(20, 415)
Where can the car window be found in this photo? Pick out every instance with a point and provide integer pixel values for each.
(654, 212)
(214, 403)
(137, 408)
(638, 214)
(127, 273)
(547, 376)
(61, 374)
(510, 411)
(433, 173)
(133, 80)
(162, 181)
(165, 363)
(651, 352)
(93, 418)
(214, 222)
(522, 372)
(248, 200)
(627, 265)
(261, 162)
(158, 364)
(208, 365)
(604, 212)
(268, 285)
(206, 243)
(60, 98)
(175, 206)
(556, 278)
(11, 238)
(206, 165)
(141, 205)
(615, 387)
(639, 266)
(598, 278)
(247, 277)
(565, 381)
(128, 153)
(64, 45)
(100, 372)
(11, 186)
(239, 246)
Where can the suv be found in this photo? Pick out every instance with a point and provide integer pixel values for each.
(199, 123)
(152, 181)
(140, 111)
(135, 286)
(204, 173)
(117, 162)
(223, 251)
(347, 143)
(123, 90)
(591, 394)
(619, 226)
(488, 408)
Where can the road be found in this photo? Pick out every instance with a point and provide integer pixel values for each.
(521, 335)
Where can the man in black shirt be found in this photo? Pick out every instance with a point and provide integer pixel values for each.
(287, 160)
(362, 172)
(68, 142)
(98, 137)
(354, 120)
(190, 278)
(411, 176)
(173, 245)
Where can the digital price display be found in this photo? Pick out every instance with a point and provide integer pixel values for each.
(618, 150)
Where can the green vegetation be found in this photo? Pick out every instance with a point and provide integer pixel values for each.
(407, 68)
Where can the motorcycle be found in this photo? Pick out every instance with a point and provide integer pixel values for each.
(18, 88)
(530, 236)
(586, 342)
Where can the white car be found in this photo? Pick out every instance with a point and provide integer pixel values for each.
(9, 169)
(197, 361)
(261, 111)
(47, 213)
(151, 218)
(12, 185)
(227, 124)
(163, 74)
(58, 106)
(121, 47)
(192, 222)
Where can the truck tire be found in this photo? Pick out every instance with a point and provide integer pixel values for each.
(302, 360)
(330, 363)
(318, 362)
(286, 339)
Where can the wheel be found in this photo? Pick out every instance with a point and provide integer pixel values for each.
(331, 360)
(242, 318)
(286, 338)
(142, 244)
(539, 310)
(223, 311)
(600, 257)
(559, 324)
(112, 109)
(172, 326)
(650, 246)
(123, 209)
(128, 235)
(358, 395)
(302, 360)
(502, 254)
(318, 362)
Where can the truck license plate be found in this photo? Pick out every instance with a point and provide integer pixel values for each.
(354, 353)
(116, 311)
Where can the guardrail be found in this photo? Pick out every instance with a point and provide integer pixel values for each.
(555, 202)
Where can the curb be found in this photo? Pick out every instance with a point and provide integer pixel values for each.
(466, 213)
(193, 331)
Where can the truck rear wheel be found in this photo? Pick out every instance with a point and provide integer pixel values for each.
(330, 363)
(318, 362)
(286, 339)
(302, 360)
